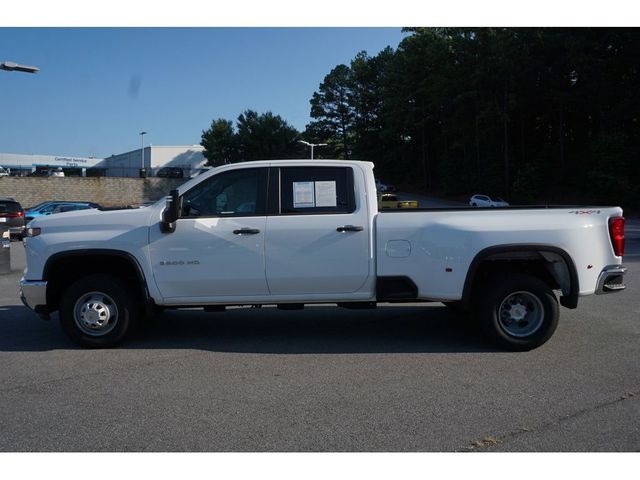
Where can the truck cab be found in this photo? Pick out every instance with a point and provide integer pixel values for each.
(282, 232)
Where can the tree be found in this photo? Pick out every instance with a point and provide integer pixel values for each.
(367, 80)
(545, 114)
(333, 113)
(220, 143)
(266, 137)
(255, 137)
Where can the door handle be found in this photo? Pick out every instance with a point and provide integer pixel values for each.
(246, 231)
(350, 228)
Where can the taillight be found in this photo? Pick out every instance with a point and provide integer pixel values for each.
(12, 215)
(616, 232)
(32, 231)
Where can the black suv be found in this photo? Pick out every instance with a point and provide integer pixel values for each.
(170, 172)
(11, 217)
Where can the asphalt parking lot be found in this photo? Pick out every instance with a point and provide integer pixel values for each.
(398, 378)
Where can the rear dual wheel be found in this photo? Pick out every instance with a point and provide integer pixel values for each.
(519, 312)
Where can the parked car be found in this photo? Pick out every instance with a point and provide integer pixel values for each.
(49, 208)
(57, 173)
(384, 187)
(170, 172)
(200, 171)
(487, 201)
(4, 172)
(42, 172)
(390, 200)
(12, 216)
(70, 207)
(38, 206)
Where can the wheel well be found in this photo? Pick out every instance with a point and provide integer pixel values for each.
(62, 271)
(533, 267)
(552, 266)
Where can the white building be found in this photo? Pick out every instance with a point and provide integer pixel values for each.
(23, 164)
(187, 158)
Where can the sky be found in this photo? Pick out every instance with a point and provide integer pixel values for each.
(98, 88)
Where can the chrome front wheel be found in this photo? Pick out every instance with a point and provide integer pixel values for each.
(99, 311)
(95, 314)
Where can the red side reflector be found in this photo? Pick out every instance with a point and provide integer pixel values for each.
(616, 232)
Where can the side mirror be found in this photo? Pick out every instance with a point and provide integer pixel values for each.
(171, 213)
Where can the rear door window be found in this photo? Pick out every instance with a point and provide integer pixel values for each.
(316, 190)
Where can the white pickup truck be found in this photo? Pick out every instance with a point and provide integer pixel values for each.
(296, 232)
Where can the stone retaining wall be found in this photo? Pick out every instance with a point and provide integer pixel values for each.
(107, 191)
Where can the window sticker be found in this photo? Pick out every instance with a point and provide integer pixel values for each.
(326, 194)
(303, 195)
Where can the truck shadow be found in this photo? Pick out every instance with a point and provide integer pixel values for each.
(317, 329)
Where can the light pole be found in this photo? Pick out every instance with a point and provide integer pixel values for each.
(143, 171)
(312, 145)
(16, 67)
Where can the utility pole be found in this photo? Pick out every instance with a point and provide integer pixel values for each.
(312, 145)
(143, 171)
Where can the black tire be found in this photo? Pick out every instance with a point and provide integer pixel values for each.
(98, 311)
(519, 312)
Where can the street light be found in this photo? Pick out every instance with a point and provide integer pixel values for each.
(312, 145)
(143, 171)
(16, 67)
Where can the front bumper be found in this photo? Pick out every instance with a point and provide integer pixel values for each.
(611, 279)
(33, 294)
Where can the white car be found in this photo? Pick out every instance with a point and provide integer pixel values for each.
(487, 201)
(384, 187)
(4, 172)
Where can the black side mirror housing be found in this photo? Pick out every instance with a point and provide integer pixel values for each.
(171, 213)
